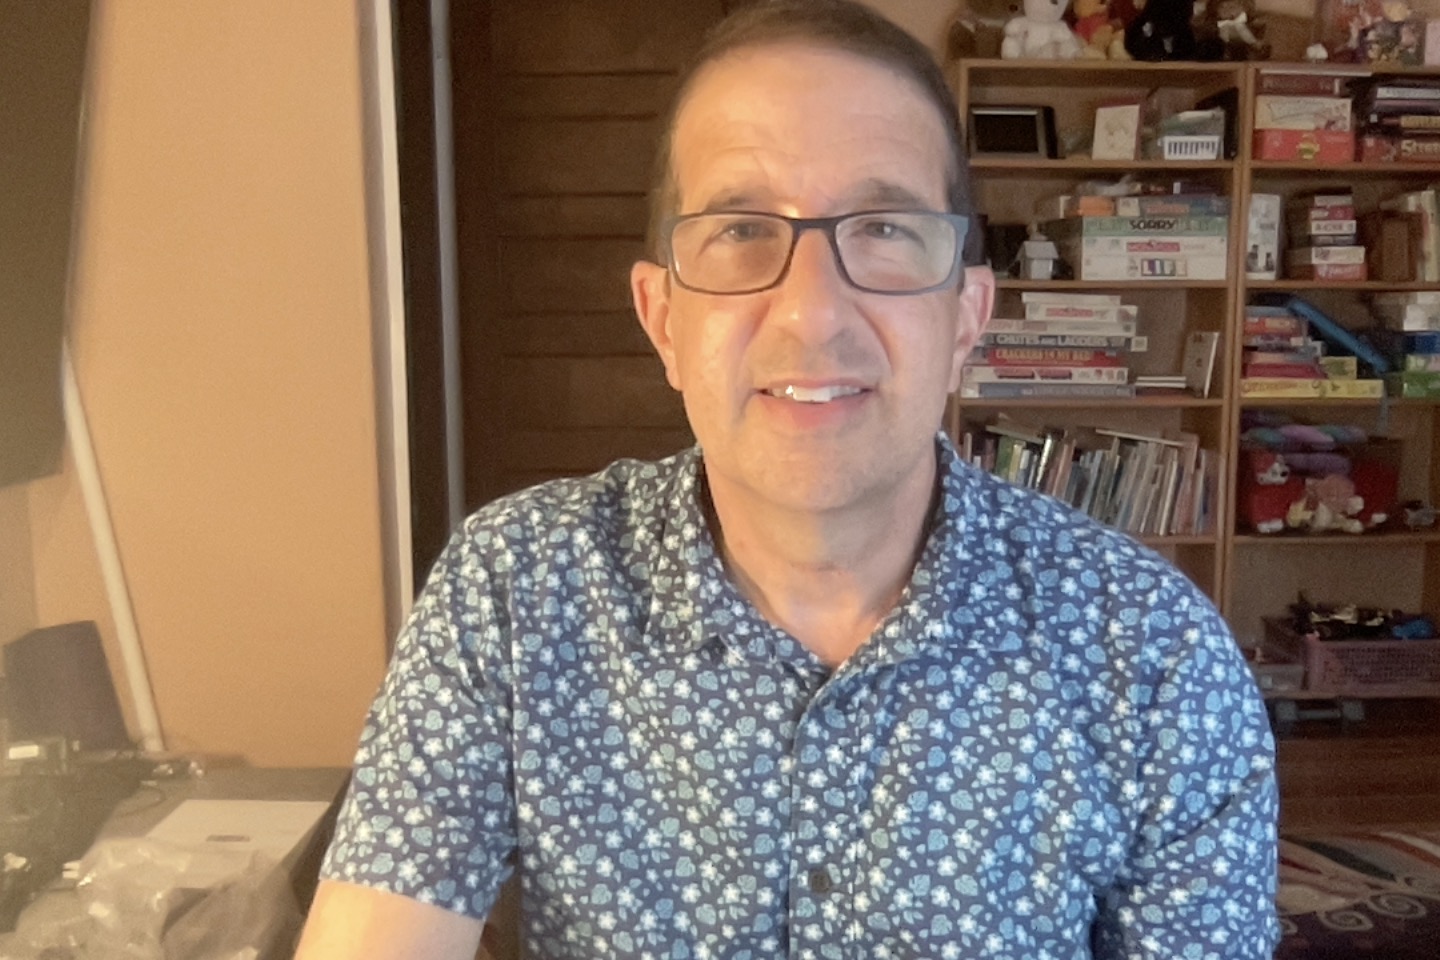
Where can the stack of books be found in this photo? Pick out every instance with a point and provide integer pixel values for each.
(1409, 336)
(1280, 358)
(1322, 234)
(1303, 116)
(1400, 120)
(1142, 484)
(1189, 245)
(1066, 345)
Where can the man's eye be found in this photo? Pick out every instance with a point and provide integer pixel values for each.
(745, 231)
(879, 229)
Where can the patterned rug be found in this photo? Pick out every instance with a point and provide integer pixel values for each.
(1373, 896)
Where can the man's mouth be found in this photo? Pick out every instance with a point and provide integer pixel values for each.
(813, 394)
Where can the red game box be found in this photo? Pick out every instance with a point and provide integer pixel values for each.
(1318, 146)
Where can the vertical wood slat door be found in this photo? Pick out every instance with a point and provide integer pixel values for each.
(558, 108)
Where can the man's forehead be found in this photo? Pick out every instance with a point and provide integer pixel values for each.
(762, 125)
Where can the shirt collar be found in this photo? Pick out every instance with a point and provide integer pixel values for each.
(700, 601)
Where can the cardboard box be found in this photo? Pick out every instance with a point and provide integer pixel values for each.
(1401, 148)
(1304, 256)
(1301, 113)
(1157, 257)
(1262, 238)
(1328, 271)
(1309, 146)
(1352, 389)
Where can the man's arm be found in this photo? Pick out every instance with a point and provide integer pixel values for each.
(349, 921)
(1199, 878)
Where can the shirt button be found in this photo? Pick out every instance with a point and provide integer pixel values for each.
(820, 881)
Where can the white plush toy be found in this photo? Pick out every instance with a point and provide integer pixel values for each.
(1041, 33)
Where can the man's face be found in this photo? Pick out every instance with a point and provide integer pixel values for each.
(808, 132)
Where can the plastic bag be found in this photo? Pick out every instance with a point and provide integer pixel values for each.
(146, 900)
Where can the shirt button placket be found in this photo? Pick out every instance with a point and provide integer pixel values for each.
(820, 834)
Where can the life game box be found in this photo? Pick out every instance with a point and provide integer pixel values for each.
(1317, 146)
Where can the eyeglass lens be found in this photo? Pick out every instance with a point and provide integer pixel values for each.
(891, 252)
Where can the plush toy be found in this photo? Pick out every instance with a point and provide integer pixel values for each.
(1040, 33)
(1162, 31)
(979, 28)
(1100, 33)
(1331, 504)
(1268, 491)
(1230, 30)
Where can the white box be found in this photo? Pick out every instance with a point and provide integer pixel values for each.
(1156, 257)
(1262, 239)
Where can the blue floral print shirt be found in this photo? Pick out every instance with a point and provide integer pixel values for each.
(1051, 748)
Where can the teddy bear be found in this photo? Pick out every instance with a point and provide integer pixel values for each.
(1098, 30)
(1162, 31)
(1040, 33)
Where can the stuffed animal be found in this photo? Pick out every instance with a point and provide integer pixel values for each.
(1268, 491)
(1230, 30)
(1040, 33)
(1331, 504)
(1098, 30)
(979, 28)
(1162, 31)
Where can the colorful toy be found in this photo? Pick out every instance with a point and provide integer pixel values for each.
(1267, 491)
(1040, 33)
(1100, 32)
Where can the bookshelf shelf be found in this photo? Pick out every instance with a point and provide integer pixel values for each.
(1362, 286)
(1010, 283)
(1260, 402)
(1071, 166)
(1097, 403)
(1363, 540)
(1341, 171)
(1203, 540)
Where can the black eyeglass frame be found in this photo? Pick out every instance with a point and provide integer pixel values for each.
(827, 225)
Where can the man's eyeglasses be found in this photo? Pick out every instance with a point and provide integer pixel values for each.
(877, 251)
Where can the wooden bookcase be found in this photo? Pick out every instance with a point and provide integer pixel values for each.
(1248, 576)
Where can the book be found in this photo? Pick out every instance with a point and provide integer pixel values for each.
(1301, 371)
(987, 373)
(1199, 361)
(1020, 390)
(1306, 84)
(1308, 256)
(1120, 328)
(1073, 311)
(1328, 271)
(1290, 387)
(1046, 356)
(1059, 340)
(1073, 299)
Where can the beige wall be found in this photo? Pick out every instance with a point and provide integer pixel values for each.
(222, 334)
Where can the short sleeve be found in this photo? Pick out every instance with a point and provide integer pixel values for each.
(430, 811)
(1199, 881)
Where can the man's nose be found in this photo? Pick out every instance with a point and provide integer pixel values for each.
(811, 298)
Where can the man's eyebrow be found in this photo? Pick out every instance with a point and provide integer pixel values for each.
(737, 199)
(876, 193)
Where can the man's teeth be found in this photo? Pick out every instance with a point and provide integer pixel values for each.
(815, 394)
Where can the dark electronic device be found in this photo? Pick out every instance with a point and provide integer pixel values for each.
(59, 686)
(1012, 131)
(1229, 101)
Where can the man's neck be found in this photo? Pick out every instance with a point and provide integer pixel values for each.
(827, 579)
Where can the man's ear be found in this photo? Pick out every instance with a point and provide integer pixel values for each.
(650, 289)
(977, 300)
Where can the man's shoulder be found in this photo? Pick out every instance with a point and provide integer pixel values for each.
(610, 505)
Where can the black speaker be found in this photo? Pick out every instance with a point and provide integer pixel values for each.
(58, 685)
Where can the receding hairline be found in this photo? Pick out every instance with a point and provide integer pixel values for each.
(664, 196)
(705, 70)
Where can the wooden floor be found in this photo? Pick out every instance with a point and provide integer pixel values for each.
(1380, 772)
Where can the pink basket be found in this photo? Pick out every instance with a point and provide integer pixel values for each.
(1361, 668)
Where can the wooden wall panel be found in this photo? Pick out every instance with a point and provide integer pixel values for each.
(601, 95)
(614, 333)
(546, 393)
(556, 276)
(599, 36)
(566, 452)
(622, 215)
(577, 156)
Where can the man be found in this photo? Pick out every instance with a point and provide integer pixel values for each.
(821, 690)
